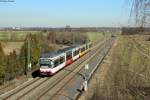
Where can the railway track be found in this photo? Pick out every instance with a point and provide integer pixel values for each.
(49, 85)
(18, 89)
(52, 91)
(34, 87)
(58, 84)
(2, 89)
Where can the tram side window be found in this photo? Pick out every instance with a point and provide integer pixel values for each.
(86, 46)
(69, 55)
(76, 52)
(82, 49)
(56, 62)
(90, 45)
(62, 59)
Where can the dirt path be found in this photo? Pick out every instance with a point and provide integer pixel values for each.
(99, 75)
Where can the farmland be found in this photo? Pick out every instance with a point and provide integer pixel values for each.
(13, 40)
(15, 35)
(20, 35)
(94, 35)
(9, 46)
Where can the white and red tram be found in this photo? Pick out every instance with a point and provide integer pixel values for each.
(50, 63)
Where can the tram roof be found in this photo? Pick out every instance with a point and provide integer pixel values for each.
(66, 49)
(54, 54)
(50, 55)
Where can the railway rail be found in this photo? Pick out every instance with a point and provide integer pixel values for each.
(65, 93)
(51, 92)
(50, 85)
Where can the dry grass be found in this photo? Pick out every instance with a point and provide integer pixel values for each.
(128, 77)
(10, 46)
(13, 40)
(15, 35)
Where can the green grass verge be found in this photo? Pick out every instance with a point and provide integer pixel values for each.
(93, 36)
(15, 35)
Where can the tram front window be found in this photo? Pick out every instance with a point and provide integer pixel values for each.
(45, 63)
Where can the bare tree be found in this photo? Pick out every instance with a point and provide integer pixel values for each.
(51, 37)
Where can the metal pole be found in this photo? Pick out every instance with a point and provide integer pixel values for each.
(26, 61)
(28, 56)
(73, 38)
(105, 43)
(86, 77)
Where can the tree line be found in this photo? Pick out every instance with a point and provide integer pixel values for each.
(14, 64)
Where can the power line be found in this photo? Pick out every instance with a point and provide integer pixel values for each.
(140, 11)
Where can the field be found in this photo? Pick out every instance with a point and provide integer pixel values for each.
(94, 36)
(10, 46)
(13, 40)
(20, 35)
(14, 35)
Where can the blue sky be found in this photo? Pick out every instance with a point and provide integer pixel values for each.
(58, 13)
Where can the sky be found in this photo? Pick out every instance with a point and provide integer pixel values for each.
(59, 13)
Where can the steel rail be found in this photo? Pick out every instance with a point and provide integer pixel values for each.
(71, 77)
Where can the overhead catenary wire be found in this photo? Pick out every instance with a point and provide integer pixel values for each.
(140, 12)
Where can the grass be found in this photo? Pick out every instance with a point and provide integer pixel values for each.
(15, 35)
(10, 46)
(93, 36)
(13, 40)
(19, 35)
(129, 75)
